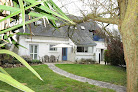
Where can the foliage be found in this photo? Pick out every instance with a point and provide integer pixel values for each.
(106, 56)
(85, 61)
(10, 12)
(27, 58)
(114, 53)
(36, 61)
(52, 82)
(106, 73)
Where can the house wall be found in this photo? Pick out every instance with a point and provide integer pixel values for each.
(44, 46)
(88, 55)
(45, 42)
(100, 45)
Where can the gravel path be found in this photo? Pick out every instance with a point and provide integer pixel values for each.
(117, 88)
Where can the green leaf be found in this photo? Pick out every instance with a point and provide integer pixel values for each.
(34, 14)
(3, 71)
(15, 3)
(18, 11)
(8, 8)
(57, 8)
(23, 13)
(9, 80)
(22, 46)
(21, 60)
(5, 36)
(1, 45)
(19, 33)
(19, 25)
(46, 8)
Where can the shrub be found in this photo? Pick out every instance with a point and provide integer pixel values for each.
(36, 61)
(114, 53)
(86, 61)
(5, 58)
(106, 56)
(27, 58)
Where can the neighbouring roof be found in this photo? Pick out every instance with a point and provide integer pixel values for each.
(80, 34)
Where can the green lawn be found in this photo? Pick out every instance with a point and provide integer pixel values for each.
(107, 73)
(52, 81)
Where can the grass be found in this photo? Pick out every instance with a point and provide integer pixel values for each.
(52, 81)
(106, 73)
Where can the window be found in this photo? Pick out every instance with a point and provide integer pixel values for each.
(52, 49)
(92, 31)
(71, 27)
(82, 27)
(38, 23)
(58, 24)
(82, 49)
(34, 51)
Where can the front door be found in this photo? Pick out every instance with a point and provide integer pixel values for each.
(64, 54)
(102, 54)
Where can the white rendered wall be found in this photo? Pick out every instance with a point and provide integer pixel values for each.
(98, 47)
(45, 42)
(85, 55)
(43, 46)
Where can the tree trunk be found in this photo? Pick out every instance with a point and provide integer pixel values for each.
(129, 32)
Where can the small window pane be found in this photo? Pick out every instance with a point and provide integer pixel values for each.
(52, 49)
(35, 56)
(35, 49)
(31, 55)
(80, 49)
(31, 49)
(85, 49)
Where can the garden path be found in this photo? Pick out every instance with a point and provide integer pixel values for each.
(117, 88)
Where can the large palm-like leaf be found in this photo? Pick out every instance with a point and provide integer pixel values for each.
(36, 9)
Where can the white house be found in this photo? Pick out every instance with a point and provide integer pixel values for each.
(79, 37)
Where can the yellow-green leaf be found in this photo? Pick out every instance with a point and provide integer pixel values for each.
(21, 60)
(9, 80)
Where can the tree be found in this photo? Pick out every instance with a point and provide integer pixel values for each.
(114, 54)
(123, 13)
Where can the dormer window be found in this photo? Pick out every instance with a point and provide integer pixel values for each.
(91, 30)
(38, 23)
(58, 24)
(82, 27)
(71, 27)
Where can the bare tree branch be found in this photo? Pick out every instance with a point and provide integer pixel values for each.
(96, 18)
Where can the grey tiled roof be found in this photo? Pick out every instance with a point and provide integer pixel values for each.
(81, 37)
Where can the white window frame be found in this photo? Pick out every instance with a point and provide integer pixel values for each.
(52, 49)
(33, 50)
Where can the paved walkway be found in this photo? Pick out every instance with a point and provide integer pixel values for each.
(117, 88)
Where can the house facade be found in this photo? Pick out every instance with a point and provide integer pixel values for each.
(79, 37)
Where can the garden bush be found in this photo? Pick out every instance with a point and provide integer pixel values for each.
(5, 58)
(114, 53)
(27, 58)
(85, 61)
(36, 61)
